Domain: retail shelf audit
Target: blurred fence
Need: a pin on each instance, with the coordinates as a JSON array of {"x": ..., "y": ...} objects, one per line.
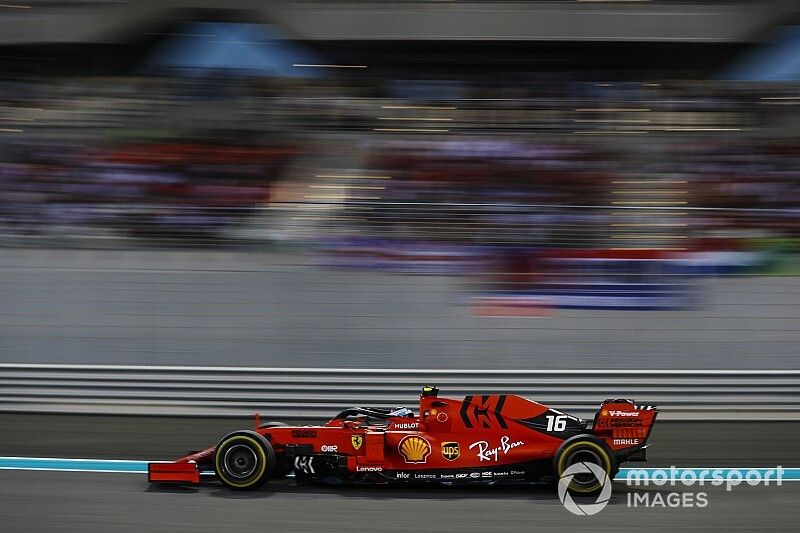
[
  {"x": 393, "y": 223},
  {"x": 317, "y": 394},
  {"x": 212, "y": 308}
]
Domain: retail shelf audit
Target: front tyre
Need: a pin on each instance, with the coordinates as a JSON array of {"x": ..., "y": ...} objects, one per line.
[
  {"x": 584, "y": 449},
  {"x": 282, "y": 468},
  {"x": 244, "y": 460}
]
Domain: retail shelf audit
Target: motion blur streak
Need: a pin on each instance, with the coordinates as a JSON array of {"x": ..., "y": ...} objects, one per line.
[{"x": 282, "y": 308}]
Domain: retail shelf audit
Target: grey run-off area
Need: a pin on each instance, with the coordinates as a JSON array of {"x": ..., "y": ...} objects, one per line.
[{"x": 277, "y": 309}]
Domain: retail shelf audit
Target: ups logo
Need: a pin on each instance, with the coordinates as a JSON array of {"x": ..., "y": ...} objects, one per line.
[{"x": 451, "y": 451}]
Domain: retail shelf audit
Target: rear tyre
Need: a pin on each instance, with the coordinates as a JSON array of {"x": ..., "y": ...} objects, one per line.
[
  {"x": 244, "y": 460},
  {"x": 585, "y": 449}
]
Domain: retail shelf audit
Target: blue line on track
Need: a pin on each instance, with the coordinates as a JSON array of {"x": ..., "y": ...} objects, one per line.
[
  {"x": 72, "y": 465},
  {"x": 53, "y": 464}
]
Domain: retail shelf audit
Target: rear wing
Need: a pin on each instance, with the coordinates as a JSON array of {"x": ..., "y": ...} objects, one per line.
[{"x": 625, "y": 427}]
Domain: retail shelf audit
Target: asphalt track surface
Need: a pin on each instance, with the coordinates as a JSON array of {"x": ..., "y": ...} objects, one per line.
[
  {"x": 67, "y": 501},
  {"x": 73, "y": 501}
]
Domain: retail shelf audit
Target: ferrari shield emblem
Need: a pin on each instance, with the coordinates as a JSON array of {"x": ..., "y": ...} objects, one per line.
[
  {"x": 357, "y": 440},
  {"x": 450, "y": 451}
]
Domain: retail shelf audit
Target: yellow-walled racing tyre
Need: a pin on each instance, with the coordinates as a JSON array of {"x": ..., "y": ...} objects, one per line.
[
  {"x": 282, "y": 468},
  {"x": 244, "y": 460},
  {"x": 584, "y": 449}
]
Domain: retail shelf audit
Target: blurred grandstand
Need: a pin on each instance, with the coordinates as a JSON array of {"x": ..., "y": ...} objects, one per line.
[
  {"x": 552, "y": 171},
  {"x": 506, "y": 179}
]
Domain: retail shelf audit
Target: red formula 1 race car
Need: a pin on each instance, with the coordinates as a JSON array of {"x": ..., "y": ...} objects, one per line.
[{"x": 484, "y": 439}]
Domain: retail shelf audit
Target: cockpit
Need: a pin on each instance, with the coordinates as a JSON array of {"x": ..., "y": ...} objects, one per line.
[{"x": 378, "y": 414}]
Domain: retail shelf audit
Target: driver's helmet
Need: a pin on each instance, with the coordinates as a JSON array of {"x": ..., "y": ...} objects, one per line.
[{"x": 403, "y": 412}]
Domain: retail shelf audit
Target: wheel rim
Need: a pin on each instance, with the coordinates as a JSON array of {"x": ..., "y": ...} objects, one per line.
[
  {"x": 240, "y": 461},
  {"x": 585, "y": 456}
]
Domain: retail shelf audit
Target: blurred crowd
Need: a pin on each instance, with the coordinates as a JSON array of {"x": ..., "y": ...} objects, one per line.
[{"x": 357, "y": 164}]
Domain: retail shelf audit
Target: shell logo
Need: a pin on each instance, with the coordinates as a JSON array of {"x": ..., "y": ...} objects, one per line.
[{"x": 414, "y": 449}]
